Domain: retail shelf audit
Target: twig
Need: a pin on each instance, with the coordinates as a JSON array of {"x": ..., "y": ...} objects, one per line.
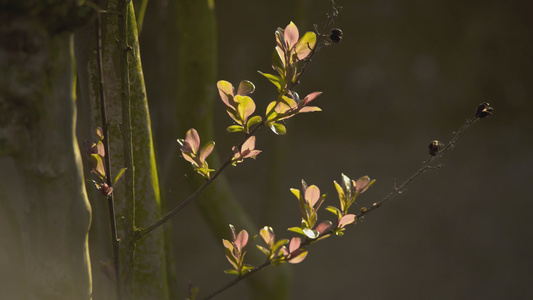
[
  {"x": 426, "y": 166},
  {"x": 236, "y": 280}
]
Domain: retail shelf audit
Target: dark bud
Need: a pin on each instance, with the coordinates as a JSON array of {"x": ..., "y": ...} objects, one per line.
[
  {"x": 336, "y": 35},
  {"x": 434, "y": 147},
  {"x": 106, "y": 189},
  {"x": 484, "y": 110}
]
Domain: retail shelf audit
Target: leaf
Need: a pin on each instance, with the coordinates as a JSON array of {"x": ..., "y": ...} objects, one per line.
[
  {"x": 206, "y": 150},
  {"x": 312, "y": 194},
  {"x": 231, "y": 272},
  {"x": 263, "y": 249},
  {"x": 278, "y": 128},
  {"x": 193, "y": 140},
  {"x": 245, "y": 107},
  {"x": 253, "y": 121},
  {"x": 270, "y": 112},
  {"x": 291, "y": 35},
  {"x": 299, "y": 256},
  {"x": 100, "y": 133},
  {"x": 245, "y": 88},
  {"x": 225, "y": 90},
  {"x": 278, "y": 61},
  {"x": 324, "y": 226},
  {"x": 241, "y": 240},
  {"x": 235, "y": 128},
  {"x": 362, "y": 184},
  {"x": 305, "y": 44},
  {"x": 296, "y": 192},
  {"x": 267, "y": 233},
  {"x": 307, "y": 109},
  {"x": 347, "y": 219},
  {"x": 276, "y": 80},
  {"x": 120, "y": 173},
  {"x": 310, "y": 98},
  {"x": 279, "y": 244},
  {"x": 334, "y": 210},
  {"x": 297, "y": 230},
  {"x": 98, "y": 166},
  {"x": 310, "y": 233}
]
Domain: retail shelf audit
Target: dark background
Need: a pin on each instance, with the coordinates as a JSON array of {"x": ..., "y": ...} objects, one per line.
[{"x": 406, "y": 72}]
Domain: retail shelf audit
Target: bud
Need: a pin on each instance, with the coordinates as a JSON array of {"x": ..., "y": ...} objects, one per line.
[
  {"x": 483, "y": 110},
  {"x": 336, "y": 35},
  {"x": 434, "y": 147}
]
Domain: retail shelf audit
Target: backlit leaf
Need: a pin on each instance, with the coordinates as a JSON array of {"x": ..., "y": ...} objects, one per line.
[
  {"x": 278, "y": 129},
  {"x": 305, "y": 45},
  {"x": 245, "y": 88}
]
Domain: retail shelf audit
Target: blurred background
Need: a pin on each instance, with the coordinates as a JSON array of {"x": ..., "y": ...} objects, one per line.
[{"x": 406, "y": 72}]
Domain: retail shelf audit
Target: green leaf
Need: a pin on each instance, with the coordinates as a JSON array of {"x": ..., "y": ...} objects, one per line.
[
  {"x": 232, "y": 272},
  {"x": 296, "y": 192},
  {"x": 334, "y": 210},
  {"x": 305, "y": 44},
  {"x": 297, "y": 230},
  {"x": 278, "y": 128},
  {"x": 278, "y": 62},
  {"x": 98, "y": 166},
  {"x": 235, "y": 128},
  {"x": 279, "y": 244},
  {"x": 253, "y": 121},
  {"x": 120, "y": 173},
  {"x": 276, "y": 80},
  {"x": 206, "y": 150},
  {"x": 245, "y": 108},
  {"x": 298, "y": 258},
  {"x": 263, "y": 249},
  {"x": 270, "y": 112}
]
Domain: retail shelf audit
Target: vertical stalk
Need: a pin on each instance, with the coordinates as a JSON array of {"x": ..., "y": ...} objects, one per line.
[{"x": 110, "y": 200}]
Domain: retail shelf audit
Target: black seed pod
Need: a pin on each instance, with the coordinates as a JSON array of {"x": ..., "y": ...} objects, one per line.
[
  {"x": 336, "y": 35},
  {"x": 484, "y": 110},
  {"x": 434, "y": 147}
]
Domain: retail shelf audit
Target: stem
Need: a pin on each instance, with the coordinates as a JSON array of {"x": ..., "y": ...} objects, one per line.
[
  {"x": 115, "y": 241},
  {"x": 238, "y": 279},
  {"x": 426, "y": 166}
]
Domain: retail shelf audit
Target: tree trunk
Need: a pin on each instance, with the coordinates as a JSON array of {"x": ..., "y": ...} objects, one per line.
[
  {"x": 44, "y": 211},
  {"x": 137, "y": 200}
]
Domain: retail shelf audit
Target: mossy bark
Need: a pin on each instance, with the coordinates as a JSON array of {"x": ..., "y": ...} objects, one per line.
[
  {"x": 137, "y": 199},
  {"x": 44, "y": 210}
]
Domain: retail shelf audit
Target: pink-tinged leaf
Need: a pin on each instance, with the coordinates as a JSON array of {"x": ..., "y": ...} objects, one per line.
[
  {"x": 284, "y": 251},
  {"x": 324, "y": 226},
  {"x": 98, "y": 148},
  {"x": 98, "y": 166},
  {"x": 226, "y": 92},
  {"x": 310, "y": 98},
  {"x": 298, "y": 256},
  {"x": 362, "y": 184},
  {"x": 193, "y": 140},
  {"x": 295, "y": 244},
  {"x": 346, "y": 220},
  {"x": 307, "y": 109},
  {"x": 267, "y": 233},
  {"x": 249, "y": 144},
  {"x": 312, "y": 194},
  {"x": 206, "y": 150},
  {"x": 245, "y": 88},
  {"x": 291, "y": 35},
  {"x": 241, "y": 240},
  {"x": 190, "y": 159}
]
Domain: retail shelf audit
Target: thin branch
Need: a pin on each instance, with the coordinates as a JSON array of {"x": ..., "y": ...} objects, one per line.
[
  {"x": 236, "y": 280},
  {"x": 426, "y": 166}
]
